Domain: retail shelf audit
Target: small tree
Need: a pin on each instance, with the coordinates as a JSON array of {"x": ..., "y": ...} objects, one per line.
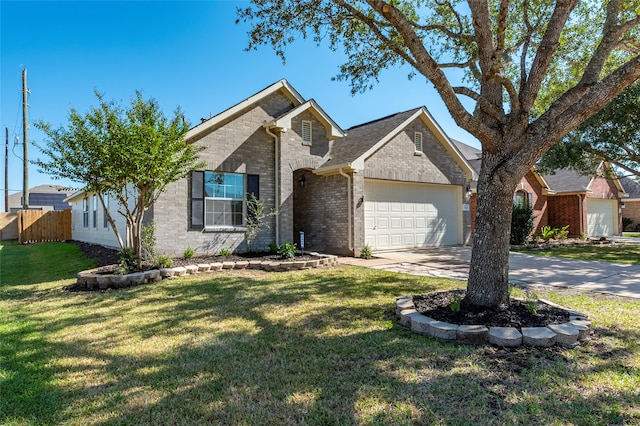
[
  {"x": 128, "y": 154},
  {"x": 256, "y": 216},
  {"x": 521, "y": 223}
]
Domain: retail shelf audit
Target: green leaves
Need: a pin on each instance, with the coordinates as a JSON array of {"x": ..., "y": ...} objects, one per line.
[{"x": 129, "y": 153}]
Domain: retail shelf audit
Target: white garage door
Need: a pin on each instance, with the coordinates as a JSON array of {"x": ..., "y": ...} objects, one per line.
[
  {"x": 406, "y": 215},
  {"x": 601, "y": 217}
]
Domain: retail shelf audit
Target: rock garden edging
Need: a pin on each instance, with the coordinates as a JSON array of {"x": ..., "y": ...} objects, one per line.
[
  {"x": 566, "y": 334},
  {"x": 93, "y": 280}
]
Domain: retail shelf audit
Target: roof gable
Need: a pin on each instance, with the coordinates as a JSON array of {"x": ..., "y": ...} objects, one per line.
[
  {"x": 282, "y": 85},
  {"x": 284, "y": 121},
  {"x": 364, "y": 140}
]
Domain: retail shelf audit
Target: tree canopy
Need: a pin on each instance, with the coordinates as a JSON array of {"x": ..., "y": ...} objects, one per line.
[
  {"x": 534, "y": 69},
  {"x": 129, "y": 154},
  {"x": 612, "y": 135}
]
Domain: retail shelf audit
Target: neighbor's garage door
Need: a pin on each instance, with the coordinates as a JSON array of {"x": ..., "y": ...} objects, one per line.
[
  {"x": 601, "y": 217},
  {"x": 406, "y": 215}
]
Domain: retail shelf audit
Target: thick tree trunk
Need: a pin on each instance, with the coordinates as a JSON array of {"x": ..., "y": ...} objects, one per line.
[{"x": 488, "y": 284}]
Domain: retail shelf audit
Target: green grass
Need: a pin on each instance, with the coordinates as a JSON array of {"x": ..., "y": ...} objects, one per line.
[
  {"x": 631, "y": 234},
  {"x": 311, "y": 347},
  {"x": 618, "y": 253}
]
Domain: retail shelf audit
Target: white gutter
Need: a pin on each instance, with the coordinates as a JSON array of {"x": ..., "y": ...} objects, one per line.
[
  {"x": 349, "y": 212},
  {"x": 276, "y": 143}
]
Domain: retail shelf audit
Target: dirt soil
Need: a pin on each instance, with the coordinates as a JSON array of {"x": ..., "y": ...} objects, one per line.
[{"x": 438, "y": 306}]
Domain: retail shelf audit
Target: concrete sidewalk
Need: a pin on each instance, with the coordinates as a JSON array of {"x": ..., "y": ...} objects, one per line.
[{"x": 453, "y": 262}]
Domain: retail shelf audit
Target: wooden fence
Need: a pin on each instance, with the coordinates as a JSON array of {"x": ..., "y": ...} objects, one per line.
[{"x": 36, "y": 226}]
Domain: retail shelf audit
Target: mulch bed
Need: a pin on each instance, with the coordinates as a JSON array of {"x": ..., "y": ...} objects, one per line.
[
  {"x": 107, "y": 259},
  {"x": 437, "y": 306}
]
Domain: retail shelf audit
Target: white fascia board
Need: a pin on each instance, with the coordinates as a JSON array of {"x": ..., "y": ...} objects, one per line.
[
  {"x": 204, "y": 127},
  {"x": 77, "y": 194}
]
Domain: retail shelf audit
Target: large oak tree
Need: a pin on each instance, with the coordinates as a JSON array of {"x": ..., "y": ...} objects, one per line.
[
  {"x": 535, "y": 69},
  {"x": 129, "y": 154}
]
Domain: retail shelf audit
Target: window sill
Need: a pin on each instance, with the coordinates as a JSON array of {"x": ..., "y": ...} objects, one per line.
[
  {"x": 418, "y": 153},
  {"x": 225, "y": 229}
]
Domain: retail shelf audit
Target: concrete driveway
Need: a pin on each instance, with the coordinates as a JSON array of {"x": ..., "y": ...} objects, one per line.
[{"x": 453, "y": 262}]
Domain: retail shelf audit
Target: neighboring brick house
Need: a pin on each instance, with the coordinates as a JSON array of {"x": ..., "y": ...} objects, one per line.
[
  {"x": 631, "y": 204},
  {"x": 591, "y": 206},
  {"x": 396, "y": 182}
]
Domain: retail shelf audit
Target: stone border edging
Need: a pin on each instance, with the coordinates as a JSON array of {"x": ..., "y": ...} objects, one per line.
[
  {"x": 92, "y": 280},
  {"x": 567, "y": 334}
]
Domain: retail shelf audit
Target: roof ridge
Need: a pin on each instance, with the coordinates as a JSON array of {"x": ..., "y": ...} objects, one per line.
[{"x": 383, "y": 118}]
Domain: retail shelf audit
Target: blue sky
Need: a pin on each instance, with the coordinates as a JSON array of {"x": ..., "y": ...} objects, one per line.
[{"x": 187, "y": 54}]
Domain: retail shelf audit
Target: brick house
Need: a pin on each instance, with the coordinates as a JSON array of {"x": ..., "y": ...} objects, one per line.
[
  {"x": 590, "y": 205},
  {"x": 631, "y": 204},
  {"x": 396, "y": 182}
]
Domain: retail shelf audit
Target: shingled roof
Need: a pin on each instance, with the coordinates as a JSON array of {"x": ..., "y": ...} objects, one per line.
[
  {"x": 631, "y": 187},
  {"x": 567, "y": 180},
  {"x": 363, "y": 137}
]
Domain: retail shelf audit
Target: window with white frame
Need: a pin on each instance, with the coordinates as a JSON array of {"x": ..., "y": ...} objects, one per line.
[
  {"x": 223, "y": 199},
  {"x": 307, "y": 132},
  {"x": 417, "y": 141},
  {"x": 218, "y": 199},
  {"x": 94, "y": 210},
  {"x": 105, "y": 222},
  {"x": 85, "y": 212},
  {"x": 522, "y": 198}
]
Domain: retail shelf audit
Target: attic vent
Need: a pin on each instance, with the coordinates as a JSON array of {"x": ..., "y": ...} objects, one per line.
[
  {"x": 306, "y": 132},
  {"x": 417, "y": 141}
]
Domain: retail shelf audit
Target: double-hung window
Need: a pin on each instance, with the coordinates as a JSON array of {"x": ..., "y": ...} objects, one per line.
[
  {"x": 105, "y": 222},
  {"x": 94, "y": 204},
  {"x": 223, "y": 199},
  {"x": 218, "y": 200},
  {"x": 85, "y": 212}
]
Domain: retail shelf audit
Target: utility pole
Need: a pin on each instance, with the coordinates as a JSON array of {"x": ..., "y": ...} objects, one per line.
[
  {"x": 25, "y": 141},
  {"x": 6, "y": 172}
]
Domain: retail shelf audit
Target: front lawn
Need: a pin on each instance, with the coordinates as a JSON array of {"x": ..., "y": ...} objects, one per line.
[
  {"x": 311, "y": 347},
  {"x": 614, "y": 253}
]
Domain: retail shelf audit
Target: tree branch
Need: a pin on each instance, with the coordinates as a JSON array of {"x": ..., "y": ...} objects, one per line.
[
  {"x": 428, "y": 67},
  {"x": 544, "y": 54}
]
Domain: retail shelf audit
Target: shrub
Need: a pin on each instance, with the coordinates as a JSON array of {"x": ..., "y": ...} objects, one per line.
[
  {"x": 521, "y": 224},
  {"x": 287, "y": 250},
  {"x": 128, "y": 260},
  {"x": 547, "y": 233},
  {"x": 256, "y": 219},
  {"x": 148, "y": 241},
  {"x": 365, "y": 252},
  {"x": 273, "y": 248},
  {"x": 562, "y": 233},
  {"x": 626, "y": 222},
  {"x": 164, "y": 261},
  {"x": 225, "y": 252},
  {"x": 188, "y": 253}
]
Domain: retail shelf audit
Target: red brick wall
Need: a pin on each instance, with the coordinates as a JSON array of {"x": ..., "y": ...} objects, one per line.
[
  {"x": 568, "y": 210},
  {"x": 632, "y": 211}
]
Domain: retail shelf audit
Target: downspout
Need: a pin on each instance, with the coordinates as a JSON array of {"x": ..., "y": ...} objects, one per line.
[
  {"x": 276, "y": 143},
  {"x": 582, "y": 230},
  {"x": 349, "y": 211}
]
